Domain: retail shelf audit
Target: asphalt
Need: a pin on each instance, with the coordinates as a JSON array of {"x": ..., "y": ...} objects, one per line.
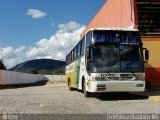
[
  {"x": 152, "y": 94},
  {"x": 57, "y": 99}
]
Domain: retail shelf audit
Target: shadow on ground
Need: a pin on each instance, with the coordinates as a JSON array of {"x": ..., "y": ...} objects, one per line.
[
  {"x": 41, "y": 83},
  {"x": 116, "y": 96}
]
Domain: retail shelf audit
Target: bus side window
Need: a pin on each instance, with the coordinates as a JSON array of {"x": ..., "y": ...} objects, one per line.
[
  {"x": 75, "y": 52},
  {"x": 78, "y": 49},
  {"x": 88, "y": 38},
  {"x": 82, "y": 46},
  {"x": 72, "y": 55},
  {"x": 67, "y": 59}
]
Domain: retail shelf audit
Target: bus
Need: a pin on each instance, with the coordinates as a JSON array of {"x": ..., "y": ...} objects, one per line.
[{"x": 107, "y": 61}]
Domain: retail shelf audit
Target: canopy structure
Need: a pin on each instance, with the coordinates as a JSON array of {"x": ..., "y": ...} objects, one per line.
[
  {"x": 115, "y": 14},
  {"x": 128, "y": 14}
]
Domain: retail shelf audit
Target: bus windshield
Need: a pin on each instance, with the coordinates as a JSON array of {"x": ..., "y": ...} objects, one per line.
[
  {"x": 116, "y": 58},
  {"x": 116, "y": 36}
]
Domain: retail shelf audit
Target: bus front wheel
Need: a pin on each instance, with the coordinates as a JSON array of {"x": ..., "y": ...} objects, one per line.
[{"x": 86, "y": 93}]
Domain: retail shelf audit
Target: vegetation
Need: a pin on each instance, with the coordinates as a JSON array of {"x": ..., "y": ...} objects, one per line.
[
  {"x": 41, "y": 66},
  {"x": 34, "y": 72},
  {"x": 2, "y": 66},
  {"x": 59, "y": 73}
]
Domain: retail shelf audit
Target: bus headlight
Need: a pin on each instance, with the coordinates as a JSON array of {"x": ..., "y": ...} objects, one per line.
[{"x": 139, "y": 76}]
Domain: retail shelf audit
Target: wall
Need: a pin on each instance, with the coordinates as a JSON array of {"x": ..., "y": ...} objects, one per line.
[
  {"x": 152, "y": 67},
  {"x": 11, "y": 78},
  {"x": 55, "y": 77}
]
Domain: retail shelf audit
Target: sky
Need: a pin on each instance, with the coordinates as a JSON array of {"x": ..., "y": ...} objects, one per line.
[{"x": 36, "y": 29}]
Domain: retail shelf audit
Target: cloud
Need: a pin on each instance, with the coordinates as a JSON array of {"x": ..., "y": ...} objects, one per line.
[
  {"x": 36, "y": 13},
  {"x": 55, "y": 47},
  {"x": 11, "y": 56},
  {"x": 70, "y": 26},
  {"x": 59, "y": 44}
]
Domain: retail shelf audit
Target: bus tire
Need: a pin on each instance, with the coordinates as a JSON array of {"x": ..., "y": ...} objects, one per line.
[
  {"x": 85, "y": 92},
  {"x": 69, "y": 85}
]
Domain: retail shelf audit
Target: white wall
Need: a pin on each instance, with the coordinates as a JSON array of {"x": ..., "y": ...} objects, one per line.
[
  {"x": 55, "y": 77},
  {"x": 11, "y": 78}
]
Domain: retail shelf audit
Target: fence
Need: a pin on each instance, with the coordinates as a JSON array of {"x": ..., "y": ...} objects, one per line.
[
  {"x": 11, "y": 78},
  {"x": 55, "y": 77}
]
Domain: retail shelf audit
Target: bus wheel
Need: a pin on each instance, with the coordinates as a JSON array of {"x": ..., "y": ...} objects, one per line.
[
  {"x": 69, "y": 86},
  {"x": 86, "y": 93}
]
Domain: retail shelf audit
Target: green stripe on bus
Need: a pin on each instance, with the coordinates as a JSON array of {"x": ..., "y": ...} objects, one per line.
[{"x": 77, "y": 72}]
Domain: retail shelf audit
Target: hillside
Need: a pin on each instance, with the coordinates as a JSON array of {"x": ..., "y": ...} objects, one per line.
[{"x": 42, "y": 66}]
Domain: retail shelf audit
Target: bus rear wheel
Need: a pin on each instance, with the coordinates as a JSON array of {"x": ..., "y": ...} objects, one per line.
[
  {"x": 69, "y": 86},
  {"x": 86, "y": 93}
]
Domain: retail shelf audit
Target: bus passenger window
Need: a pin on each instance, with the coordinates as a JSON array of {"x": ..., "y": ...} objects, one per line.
[
  {"x": 88, "y": 38},
  {"x": 69, "y": 57},
  {"x": 82, "y": 46},
  {"x": 72, "y": 55},
  {"x": 78, "y": 50},
  {"x": 75, "y": 53}
]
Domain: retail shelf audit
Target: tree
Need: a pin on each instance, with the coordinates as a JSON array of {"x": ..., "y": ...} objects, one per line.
[
  {"x": 59, "y": 73},
  {"x": 34, "y": 72},
  {"x": 2, "y": 66}
]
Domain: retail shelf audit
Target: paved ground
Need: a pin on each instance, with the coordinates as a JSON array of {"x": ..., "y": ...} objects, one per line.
[
  {"x": 152, "y": 95},
  {"x": 56, "y": 99}
]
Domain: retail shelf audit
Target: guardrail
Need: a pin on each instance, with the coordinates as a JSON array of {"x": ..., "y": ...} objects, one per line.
[{"x": 12, "y": 78}]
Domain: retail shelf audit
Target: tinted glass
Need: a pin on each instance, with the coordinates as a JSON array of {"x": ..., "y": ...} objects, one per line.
[{"x": 116, "y": 36}]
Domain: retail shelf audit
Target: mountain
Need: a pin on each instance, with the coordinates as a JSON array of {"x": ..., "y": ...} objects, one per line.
[{"x": 41, "y": 66}]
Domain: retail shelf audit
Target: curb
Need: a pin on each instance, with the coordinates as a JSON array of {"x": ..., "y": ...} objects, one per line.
[
  {"x": 151, "y": 95},
  {"x": 154, "y": 98}
]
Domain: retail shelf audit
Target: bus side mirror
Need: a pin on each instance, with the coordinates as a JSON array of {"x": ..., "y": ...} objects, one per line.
[{"x": 146, "y": 54}]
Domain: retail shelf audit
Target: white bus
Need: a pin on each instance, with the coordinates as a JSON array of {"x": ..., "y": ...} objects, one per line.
[{"x": 107, "y": 61}]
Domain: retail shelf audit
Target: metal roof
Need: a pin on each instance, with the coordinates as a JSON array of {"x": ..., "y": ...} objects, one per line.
[{"x": 114, "y": 14}]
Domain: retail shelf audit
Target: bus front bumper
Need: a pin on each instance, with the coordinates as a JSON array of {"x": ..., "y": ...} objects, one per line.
[{"x": 116, "y": 86}]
